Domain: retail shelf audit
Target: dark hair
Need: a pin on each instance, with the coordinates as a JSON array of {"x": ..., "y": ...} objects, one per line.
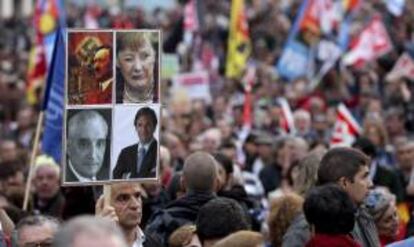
[
  {"x": 341, "y": 162},
  {"x": 366, "y": 146},
  {"x": 330, "y": 210},
  {"x": 225, "y": 162},
  {"x": 146, "y": 111},
  {"x": 228, "y": 144},
  {"x": 220, "y": 217},
  {"x": 10, "y": 168}
]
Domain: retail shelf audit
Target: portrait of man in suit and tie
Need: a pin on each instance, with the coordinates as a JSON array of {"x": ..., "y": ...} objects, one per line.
[
  {"x": 87, "y": 145},
  {"x": 140, "y": 159}
]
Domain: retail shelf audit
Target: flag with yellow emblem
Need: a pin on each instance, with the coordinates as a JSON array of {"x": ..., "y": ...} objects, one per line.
[
  {"x": 47, "y": 17},
  {"x": 239, "y": 41}
]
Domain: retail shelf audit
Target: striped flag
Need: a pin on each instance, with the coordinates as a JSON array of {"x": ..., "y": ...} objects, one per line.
[
  {"x": 286, "y": 121},
  {"x": 370, "y": 44},
  {"x": 403, "y": 67},
  {"x": 239, "y": 46},
  {"x": 317, "y": 21},
  {"x": 346, "y": 128},
  {"x": 47, "y": 16},
  {"x": 37, "y": 60}
]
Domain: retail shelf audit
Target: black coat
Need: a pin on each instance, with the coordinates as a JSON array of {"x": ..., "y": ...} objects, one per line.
[
  {"x": 103, "y": 173},
  {"x": 178, "y": 213},
  {"x": 126, "y": 166}
]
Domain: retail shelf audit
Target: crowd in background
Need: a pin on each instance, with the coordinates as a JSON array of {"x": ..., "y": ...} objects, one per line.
[{"x": 267, "y": 170}]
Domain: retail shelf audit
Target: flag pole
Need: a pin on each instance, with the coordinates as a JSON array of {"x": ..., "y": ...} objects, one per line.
[
  {"x": 107, "y": 194},
  {"x": 32, "y": 160},
  {"x": 46, "y": 91}
]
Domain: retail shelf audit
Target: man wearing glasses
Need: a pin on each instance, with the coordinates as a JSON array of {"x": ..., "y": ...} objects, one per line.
[{"x": 36, "y": 231}]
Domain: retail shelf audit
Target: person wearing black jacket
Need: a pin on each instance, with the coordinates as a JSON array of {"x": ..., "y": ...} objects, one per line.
[{"x": 199, "y": 179}]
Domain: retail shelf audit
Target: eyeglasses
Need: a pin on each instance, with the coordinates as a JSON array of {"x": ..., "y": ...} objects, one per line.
[{"x": 39, "y": 244}]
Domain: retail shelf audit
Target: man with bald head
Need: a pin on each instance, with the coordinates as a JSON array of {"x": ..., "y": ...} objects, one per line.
[
  {"x": 87, "y": 141},
  {"x": 199, "y": 181}
]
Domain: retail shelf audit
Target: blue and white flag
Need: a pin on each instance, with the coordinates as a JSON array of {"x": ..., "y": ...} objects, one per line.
[{"x": 53, "y": 104}]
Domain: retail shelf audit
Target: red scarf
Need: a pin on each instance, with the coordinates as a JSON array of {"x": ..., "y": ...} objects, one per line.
[{"x": 339, "y": 240}]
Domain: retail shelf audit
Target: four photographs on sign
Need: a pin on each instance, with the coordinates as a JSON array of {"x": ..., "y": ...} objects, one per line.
[{"x": 112, "y": 108}]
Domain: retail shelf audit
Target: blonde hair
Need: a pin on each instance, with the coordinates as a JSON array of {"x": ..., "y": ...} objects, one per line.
[
  {"x": 182, "y": 236},
  {"x": 46, "y": 161},
  {"x": 283, "y": 210},
  {"x": 379, "y": 126},
  {"x": 133, "y": 40},
  {"x": 307, "y": 173},
  {"x": 241, "y": 239}
]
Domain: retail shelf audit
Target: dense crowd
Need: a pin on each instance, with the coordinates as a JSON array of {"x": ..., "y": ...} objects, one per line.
[{"x": 221, "y": 185}]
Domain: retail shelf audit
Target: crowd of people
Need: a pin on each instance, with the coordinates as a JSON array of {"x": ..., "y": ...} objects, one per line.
[{"x": 221, "y": 184}]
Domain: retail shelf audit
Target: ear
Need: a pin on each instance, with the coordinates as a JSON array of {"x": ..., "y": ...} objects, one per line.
[
  {"x": 312, "y": 230},
  {"x": 343, "y": 182},
  {"x": 230, "y": 180},
  {"x": 117, "y": 62},
  {"x": 183, "y": 184},
  {"x": 216, "y": 186}
]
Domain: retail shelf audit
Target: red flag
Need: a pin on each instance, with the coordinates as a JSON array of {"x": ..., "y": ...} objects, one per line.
[
  {"x": 37, "y": 60},
  {"x": 248, "y": 101},
  {"x": 346, "y": 128},
  {"x": 190, "y": 17},
  {"x": 403, "y": 67},
  {"x": 351, "y": 4},
  {"x": 373, "y": 42}
]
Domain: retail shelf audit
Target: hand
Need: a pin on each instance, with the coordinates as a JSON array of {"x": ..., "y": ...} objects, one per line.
[
  {"x": 410, "y": 189},
  {"x": 3, "y": 202},
  {"x": 405, "y": 92},
  {"x": 107, "y": 211}
]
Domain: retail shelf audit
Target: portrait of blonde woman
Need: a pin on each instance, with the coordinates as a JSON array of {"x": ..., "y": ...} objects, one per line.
[{"x": 137, "y": 67}]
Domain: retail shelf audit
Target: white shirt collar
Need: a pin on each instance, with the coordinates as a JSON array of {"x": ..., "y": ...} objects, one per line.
[
  {"x": 146, "y": 146},
  {"x": 140, "y": 238},
  {"x": 78, "y": 176},
  {"x": 373, "y": 169}
]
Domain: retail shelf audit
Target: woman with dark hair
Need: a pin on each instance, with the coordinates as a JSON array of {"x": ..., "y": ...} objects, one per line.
[{"x": 331, "y": 212}]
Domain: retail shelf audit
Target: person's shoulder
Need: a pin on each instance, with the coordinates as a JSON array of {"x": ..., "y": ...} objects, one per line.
[
  {"x": 151, "y": 240},
  {"x": 298, "y": 232},
  {"x": 154, "y": 144},
  {"x": 130, "y": 148}
]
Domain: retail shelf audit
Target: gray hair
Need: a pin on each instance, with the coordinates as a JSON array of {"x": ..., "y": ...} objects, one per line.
[
  {"x": 87, "y": 225},
  {"x": 37, "y": 220},
  {"x": 378, "y": 202},
  {"x": 83, "y": 117}
]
